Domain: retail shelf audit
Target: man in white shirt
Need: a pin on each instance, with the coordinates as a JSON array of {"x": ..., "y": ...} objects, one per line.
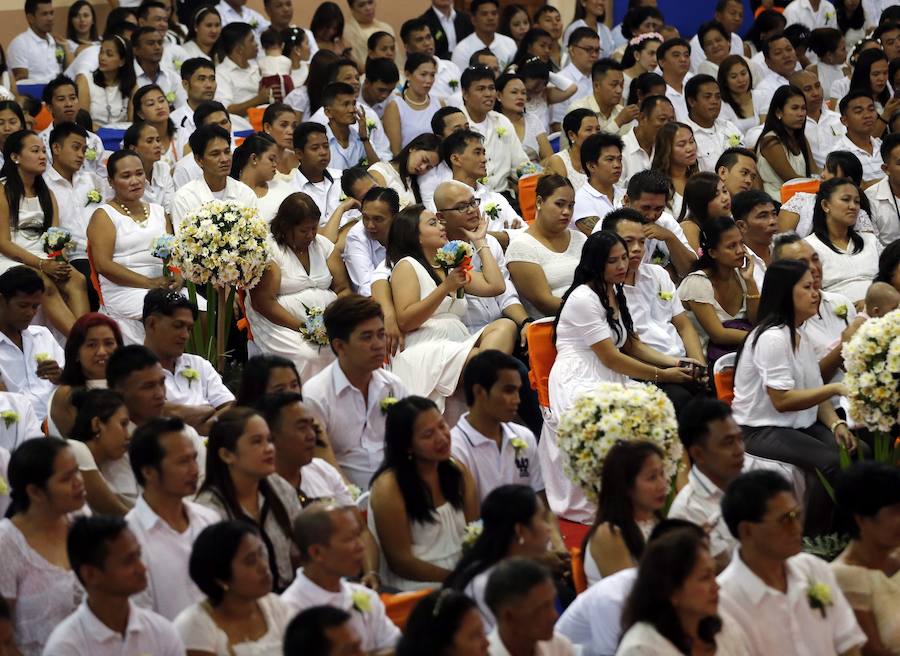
[
  {"x": 106, "y": 557},
  {"x": 883, "y": 197},
  {"x": 313, "y": 175},
  {"x": 30, "y": 357},
  {"x": 23, "y": 424},
  {"x": 584, "y": 51},
  {"x": 811, "y": 13},
  {"x": 823, "y": 126},
  {"x": 238, "y": 77},
  {"x": 781, "y": 62},
  {"x": 486, "y": 21},
  {"x": 365, "y": 246},
  {"x": 347, "y": 126},
  {"x": 674, "y": 60},
  {"x": 165, "y": 523},
  {"x": 638, "y": 143},
  {"x": 151, "y": 13},
  {"x": 209, "y": 112},
  {"x": 147, "y": 44},
  {"x": 755, "y": 215},
  {"x": 605, "y": 99},
  {"x": 194, "y": 389},
  {"x": 601, "y": 158},
  {"x": 730, "y": 13},
  {"x": 382, "y": 78},
  {"x": 237, "y": 11},
  {"x": 712, "y": 133},
  {"x": 417, "y": 37},
  {"x": 347, "y": 395},
  {"x": 445, "y": 122},
  {"x": 769, "y": 582},
  {"x": 61, "y": 98},
  {"x": 198, "y": 79},
  {"x": 330, "y": 628},
  {"x": 858, "y": 115},
  {"x": 521, "y": 595},
  {"x": 37, "y": 54},
  {"x": 211, "y": 146},
  {"x": 332, "y": 549},
  {"x": 736, "y": 167}
]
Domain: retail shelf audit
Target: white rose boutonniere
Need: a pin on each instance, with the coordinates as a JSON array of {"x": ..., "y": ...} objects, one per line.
[
  {"x": 190, "y": 375},
  {"x": 93, "y": 196},
  {"x": 819, "y": 596},
  {"x": 4, "y": 487},
  {"x": 492, "y": 210},
  {"x": 841, "y": 311},
  {"x": 665, "y": 296},
  {"x": 254, "y": 23},
  {"x": 60, "y": 54},
  {"x": 386, "y": 403},
  {"x": 371, "y": 125},
  {"x": 734, "y": 140},
  {"x": 518, "y": 444},
  {"x": 41, "y": 357},
  {"x": 829, "y": 16},
  {"x": 90, "y": 155},
  {"x": 354, "y": 491},
  {"x": 9, "y": 417},
  {"x": 438, "y": 35},
  {"x": 362, "y": 602},
  {"x": 170, "y": 97},
  {"x": 501, "y": 132}
]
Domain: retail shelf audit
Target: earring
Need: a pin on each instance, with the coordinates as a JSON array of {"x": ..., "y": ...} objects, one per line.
[{"x": 537, "y": 207}]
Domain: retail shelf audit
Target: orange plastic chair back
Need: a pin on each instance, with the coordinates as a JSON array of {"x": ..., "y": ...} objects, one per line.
[
  {"x": 761, "y": 9},
  {"x": 528, "y": 196},
  {"x": 789, "y": 189},
  {"x": 243, "y": 323},
  {"x": 95, "y": 279},
  {"x": 573, "y": 533},
  {"x": 541, "y": 354},
  {"x": 725, "y": 385},
  {"x": 255, "y": 116},
  {"x": 399, "y": 606},
  {"x": 43, "y": 119},
  {"x": 579, "y": 579}
]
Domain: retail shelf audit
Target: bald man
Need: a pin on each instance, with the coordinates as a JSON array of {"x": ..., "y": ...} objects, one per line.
[
  {"x": 881, "y": 299},
  {"x": 823, "y": 126}
]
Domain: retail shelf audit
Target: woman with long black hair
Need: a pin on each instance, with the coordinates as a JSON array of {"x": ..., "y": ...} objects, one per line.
[
  {"x": 784, "y": 152},
  {"x": 402, "y": 173},
  {"x": 104, "y": 93}
]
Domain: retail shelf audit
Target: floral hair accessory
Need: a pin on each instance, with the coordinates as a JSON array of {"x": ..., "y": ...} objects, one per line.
[{"x": 640, "y": 38}]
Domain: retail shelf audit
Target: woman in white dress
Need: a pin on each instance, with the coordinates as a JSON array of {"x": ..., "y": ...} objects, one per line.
[
  {"x": 203, "y": 32},
  {"x": 306, "y": 272},
  {"x": 428, "y": 308},
  {"x": 511, "y": 99},
  {"x": 542, "y": 259},
  {"x": 159, "y": 187},
  {"x": 578, "y": 125},
  {"x": 240, "y": 615},
  {"x": 402, "y": 173},
  {"x": 409, "y": 114},
  {"x": 421, "y": 498},
  {"x": 81, "y": 26},
  {"x": 595, "y": 342},
  {"x": 104, "y": 93},
  {"x": 120, "y": 233},
  {"x": 673, "y": 608},
  {"x": 27, "y": 210},
  {"x": 279, "y": 122},
  {"x": 736, "y": 84},
  {"x": 35, "y": 577},
  {"x": 151, "y": 105},
  {"x": 782, "y": 148},
  {"x": 255, "y": 163}
]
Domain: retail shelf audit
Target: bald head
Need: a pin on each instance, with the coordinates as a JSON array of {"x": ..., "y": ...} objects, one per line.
[
  {"x": 809, "y": 84},
  {"x": 454, "y": 201},
  {"x": 315, "y": 526},
  {"x": 881, "y": 298}
]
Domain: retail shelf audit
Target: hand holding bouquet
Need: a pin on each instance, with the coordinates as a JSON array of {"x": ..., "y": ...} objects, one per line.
[
  {"x": 456, "y": 254},
  {"x": 57, "y": 243}
]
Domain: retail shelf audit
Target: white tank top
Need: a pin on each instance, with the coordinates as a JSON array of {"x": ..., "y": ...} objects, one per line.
[{"x": 414, "y": 122}]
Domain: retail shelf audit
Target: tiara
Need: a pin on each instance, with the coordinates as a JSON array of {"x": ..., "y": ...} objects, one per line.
[{"x": 640, "y": 38}]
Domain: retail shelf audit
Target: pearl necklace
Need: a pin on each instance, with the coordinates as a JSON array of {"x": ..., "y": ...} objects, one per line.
[{"x": 127, "y": 212}]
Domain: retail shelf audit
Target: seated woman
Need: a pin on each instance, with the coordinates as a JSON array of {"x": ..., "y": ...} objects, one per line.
[
  {"x": 429, "y": 310},
  {"x": 445, "y": 623},
  {"x": 204, "y": 29},
  {"x": 514, "y": 524},
  {"x": 532, "y": 134},
  {"x": 120, "y": 232},
  {"x": 849, "y": 258},
  {"x": 675, "y": 155},
  {"x": 409, "y": 114},
  {"x": 736, "y": 84},
  {"x": 151, "y": 105},
  {"x": 673, "y": 607},
  {"x": 595, "y": 342},
  {"x": 705, "y": 198},
  {"x": 366, "y": 242},
  {"x": 421, "y": 498},
  {"x": 35, "y": 577},
  {"x": 402, "y": 173},
  {"x": 306, "y": 273},
  {"x": 797, "y": 212},
  {"x": 12, "y": 119},
  {"x": 241, "y": 484},
  {"x": 27, "y": 210},
  {"x": 868, "y": 570},
  {"x": 784, "y": 152},
  {"x": 104, "y": 93},
  {"x": 542, "y": 259},
  {"x": 306, "y": 99},
  {"x": 578, "y": 125},
  {"x": 99, "y": 440},
  {"x": 783, "y": 408},
  {"x": 279, "y": 122},
  {"x": 81, "y": 26},
  {"x": 93, "y": 339},
  {"x": 159, "y": 187},
  {"x": 237, "y": 77},
  {"x": 255, "y": 163},
  {"x": 639, "y": 57},
  {"x": 267, "y": 374},
  {"x": 716, "y": 43},
  {"x": 633, "y": 492},
  {"x": 240, "y": 614},
  {"x": 720, "y": 294}
]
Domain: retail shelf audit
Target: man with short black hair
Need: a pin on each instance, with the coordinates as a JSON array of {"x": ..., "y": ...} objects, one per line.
[
  {"x": 349, "y": 146},
  {"x": 381, "y": 80},
  {"x": 61, "y": 98},
  {"x": 858, "y": 114},
  {"x": 486, "y": 22},
  {"x": 165, "y": 522},
  {"x": 447, "y": 26},
  {"x": 730, "y": 14},
  {"x": 712, "y": 133},
  {"x": 736, "y": 167},
  {"x": 208, "y": 112},
  {"x": 147, "y": 44},
  {"x": 771, "y": 583},
  {"x": 418, "y": 37},
  {"x": 755, "y": 215},
  {"x": 781, "y": 62},
  {"x": 883, "y": 197},
  {"x": 639, "y": 142},
  {"x": 322, "y": 631},
  {"x": 584, "y": 51},
  {"x": 608, "y": 91},
  {"x": 37, "y": 54},
  {"x": 155, "y": 14},
  {"x": 674, "y": 59},
  {"x": 601, "y": 158},
  {"x": 106, "y": 557},
  {"x": 198, "y": 79}
]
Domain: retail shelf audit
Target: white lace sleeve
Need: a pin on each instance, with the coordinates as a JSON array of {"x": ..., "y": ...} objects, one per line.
[{"x": 794, "y": 204}]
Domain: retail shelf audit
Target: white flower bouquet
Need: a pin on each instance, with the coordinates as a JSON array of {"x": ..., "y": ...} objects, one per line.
[
  {"x": 872, "y": 361},
  {"x": 611, "y": 413},
  {"x": 313, "y": 327},
  {"x": 58, "y": 243}
]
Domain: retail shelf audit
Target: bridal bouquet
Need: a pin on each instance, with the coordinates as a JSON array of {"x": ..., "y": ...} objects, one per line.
[
  {"x": 453, "y": 254},
  {"x": 161, "y": 247},
  {"x": 872, "y": 360},
  {"x": 612, "y": 413},
  {"x": 57, "y": 243},
  {"x": 313, "y": 327}
]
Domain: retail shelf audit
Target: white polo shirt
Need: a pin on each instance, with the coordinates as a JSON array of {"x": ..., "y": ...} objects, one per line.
[
  {"x": 823, "y": 134},
  {"x": 94, "y": 156},
  {"x": 802, "y": 12},
  {"x": 884, "y": 213},
  {"x": 372, "y": 624},
  {"x": 787, "y": 617},
  {"x": 83, "y": 633},
  {"x": 36, "y": 54},
  {"x": 355, "y": 426},
  {"x": 594, "y": 620},
  {"x": 19, "y": 366},
  {"x": 377, "y": 136},
  {"x": 677, "y": 99},
  {"x": 361, "y": 256},
  {"x": 767, "y": 88},
  {"x": 73, "y": 204},
  {"x": 186, "y": 170},
  {"x": 166, "y": 554},
  {"x": 591, "y": 202},
  {"x": 712, "y": 142},
  {"x": 653, "y": 302},
  {"x": 482, "y": 310},
  {"x": 634, "y": 158},
  {"x": 446, "y": 80},
  {"x": 585, "y": 89},
  {"x": 235, "y": 84},
  {"x": 326, "y": 193},
  {"x": 502, "y": 46},
  {"x": 195, "y": 193},
  {"x": 871, "y": 163},
  {"x": 17, "y": 429},
  {"x": 492, "y": 467},
  {"x": 206, "y": 389}
]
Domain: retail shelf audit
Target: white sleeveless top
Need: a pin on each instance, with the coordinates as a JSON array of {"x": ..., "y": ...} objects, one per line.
[
  {"x": 107, "y": 103},
  {"x": 393, "y": 180},
  {"x": 577, "y": 178},
  {"x": 29, "y": 233},
  {"x": 414, "y": 122}
]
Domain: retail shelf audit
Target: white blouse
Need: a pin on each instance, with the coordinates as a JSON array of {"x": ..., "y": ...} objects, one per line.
[
  {"x": 558, "y": 268},
  {"x": 846, "y": 272},
  {"x": 199, "y": 632}
]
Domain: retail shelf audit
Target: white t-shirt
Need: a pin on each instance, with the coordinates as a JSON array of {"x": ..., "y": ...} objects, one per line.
[
  {"x": 593, "y": 620},
  {"x": 591, "y": 202},
  {"x": 653, "y": 302}
]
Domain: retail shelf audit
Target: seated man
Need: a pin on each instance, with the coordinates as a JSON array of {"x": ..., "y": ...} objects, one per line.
[
  {"x": 331, "y": 547},
  {"x": 639, "y": 141},
  {"x": 712, "y": 133},
  {"x": 106, "y": 558},
  {"x": 883, "y": 196},
  {"x": 61, "y": 98},
  {"x": 209, "y": 112},
  {"x": 859, "y": 116},
  {"x": 198, "y": 79},
  {"x": 608, "y": 89},
  {"x": 347, "y": 127},
  {"x": 147, "y": 46},
  {"x": 756, "y": 217},
  {"x": 194, "y": 389},
  {"x": 37, "y": 54},
  {"x": 736, "y": 167},
  {"x": 30, "y": 358},
  {"x": 322, "y": 631},
  {"x": 601, "y": 158},
  {"x": 365, "y": 247},
  {"x": 445, "y": 122}
]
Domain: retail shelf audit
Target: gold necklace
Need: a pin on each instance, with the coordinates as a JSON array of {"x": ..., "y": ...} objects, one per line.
[
  {"x": 127, "y": 212},
  {"x": 413, "y": 103}
]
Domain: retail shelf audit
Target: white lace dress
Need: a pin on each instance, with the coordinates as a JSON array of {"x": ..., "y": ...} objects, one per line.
[
  {"x": 435, "y": 353},
  {"x": 29, "y": 232},
  {"x": 44, "y": 594},
  {"x": 299, "y": 290},
  {"x": 199, "y": 632},
  {"x": 577, "y": 178},
  {"x": 802, "y": 204}
]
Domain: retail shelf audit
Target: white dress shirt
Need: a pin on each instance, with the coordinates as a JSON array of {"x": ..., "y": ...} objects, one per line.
[
  {"x": 823, "y": 134},
  {"x": 166, "y": 554},
  {"x": 19, "y": 366},
  {"x": 502, "y": 46},
  {"x": 634, "y": 158},
  {"x": 235, "y": 84},
  {"x": 377, "y": 136},
  {"x": 679, "y": 103},
  {"x": 767, "y": 88},
  {"x": 82, "y": 632},
  {"x": 73, "y": 205},
  {"x": 791, "y": 625},
  {"x": 36, "y": 54},
  {"x": 243, "y": 15},
  {"x": 167, "y": 80},
  {"x": 698, "y": 56},
  {"x": 585, "y": 89},
  {"x": 657, "y": 252},
  {"x": 446, "y": 80},
  {"x": 504, "y": 150},
  {"x": 362, "y": 255},
  {"x": 17, "y": 429},
  {"x": 558, "y": 645},
  {"x": 448, "y": 26},
  {"x": 871, "y": 164},
  {"x": 824, "y": 328},
  {"x": 591, "y": 202},
  {"x": 712, "y": 142},
  {"x": 653, "y": 302},
  {"x": 195, "y": 193},
  {"x": 885, "y": 213},
  {"x": 371, "y": 624},
  {"x": 186, "y": 170},
  {"x": 207, "y": 389},
  {"x": 492, "y": 467},
  {"x": 94, "y": 156},
  {"x": 354, "y": 425},
  {"x": 326, "y": 193},
  {"x": 593, "y": 620},
  {"x": 802, "y": 12}
]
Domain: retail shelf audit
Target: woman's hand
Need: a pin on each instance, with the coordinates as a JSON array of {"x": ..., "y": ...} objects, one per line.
[
  {"x": 396, "y": 340},
  {"x": 675, "y": 375},
  {"x": 845, "y": 438},
  {"x": 747, "y": 270},
  {"x": 456, "y": 278},
  {"x": 478, "y": 233},
  {"x": 56, "y": 270}
]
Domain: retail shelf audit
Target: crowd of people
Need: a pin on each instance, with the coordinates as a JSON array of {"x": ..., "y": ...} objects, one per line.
[{"x": 667, "y": 206}]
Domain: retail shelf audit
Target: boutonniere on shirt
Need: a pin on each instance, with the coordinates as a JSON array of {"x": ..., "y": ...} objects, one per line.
[
  {"x": 518, "y": 444},
  {"x": 501, "y": 132},
  {"x": 819, "y": 596},
  {"x": 438, "y": 35},
  {"x": 472, "y": 532},
  {"x": 734, "y": 140},
  {"x": 454, "y": 84},
  {"x": 658, "y": 257},
  {"x": 829, "y": 16},
  {"x": 170, "y": 97},
  {"x": 492, "y": 210},
  {"x": 363, "y": 161},
  {"x": 41, "y": 357},
  {"x": 386, "y": 403},
  {"x": 60, "y": 54},
  {"x": 190, "y": 375},
  {"x": 841, "y": 311},
  {"x": 90, "y": 154},
  {"x": 342, "y": 197},
  {"x": 664, "y": 295},
  {"x": 483, "y": 180},
  {"x": 9, "y": 417},
  {"x": 362, "y": 602},
  {"x": 254, "y": 23},
  {"x": 4, "y": 487},
  {"x": 354, "y": 491},
  {"x": 371, "y": 126},
  {"x": 93, "y": 196}
]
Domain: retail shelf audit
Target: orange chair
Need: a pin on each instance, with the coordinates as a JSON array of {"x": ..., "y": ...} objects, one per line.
[
  {"x": 541, "y": 354},
  {"x": 528, "y": 196},
  {"x": 723, "y": 376},
  {"x": 761, "y": 9},
  {"x": 579, "y": 579},
  {"x": 791, "y": 187},
  {"x": 243, "y": 323},
  {"x": 95, "y": 280},
  {"x": 573, "y": 533},
  {"x": 43, "y": 119},
  {"x": 255, "y": 116},
  {"x": 399, "y": 606}
]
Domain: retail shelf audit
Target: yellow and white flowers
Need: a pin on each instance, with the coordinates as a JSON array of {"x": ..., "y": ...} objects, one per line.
[
  {"x": 190, "y": 375},
  {"x": 611, "y": 413},
  {"x": 41, "y": 357},
  {"x": 224, "y": 244},
  {"x": 371, "y": 125},
  {"x": 9, "y": 417},
  {"x": 492, "y": 210},
  {"x": 361, "y": 601},
  {"x": 819, "y": 596},
  {"x": 472, "y": 533},
  {"x": 90, "y": 154},
  {"x": 501, "y": 132},
  {"x": 93, "y": 196},
  {"x": 841, "y": 311},
  {"x": 4, "y": 487},
  {"x": 665, "y": 296},
  {"x": 518, "y": 444},
  {"x": 386, "y": 403},
  {"x": 872, "y": 361}
]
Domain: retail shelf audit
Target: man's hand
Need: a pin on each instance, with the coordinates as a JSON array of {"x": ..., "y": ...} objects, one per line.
[
  {"x": 49, "y": 370},
  {"x": 655, "y": 231},
  {"x": 628, "y": 114},
  {"x": 362, "y": 124}
]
